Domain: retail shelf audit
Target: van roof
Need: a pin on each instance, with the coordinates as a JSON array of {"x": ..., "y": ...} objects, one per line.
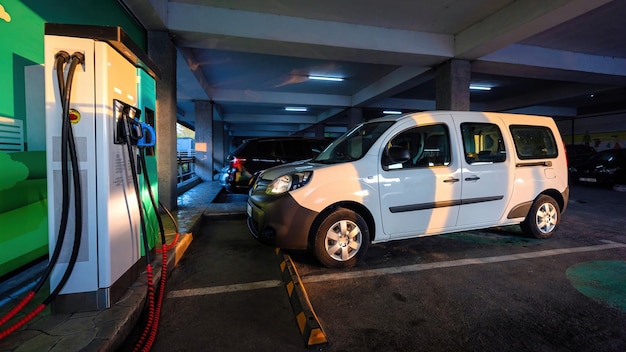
[{"x": 448, "y": 112}]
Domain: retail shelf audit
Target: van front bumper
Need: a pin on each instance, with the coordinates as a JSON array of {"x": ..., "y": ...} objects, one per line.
[{"x": 279, "y": 221}]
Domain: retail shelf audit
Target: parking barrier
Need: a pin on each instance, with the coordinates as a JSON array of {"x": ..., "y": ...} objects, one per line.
[{"x": 308, "y": 323}]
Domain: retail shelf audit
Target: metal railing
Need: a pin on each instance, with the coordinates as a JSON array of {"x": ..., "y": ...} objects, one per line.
[{"x": 186, "y": 161}]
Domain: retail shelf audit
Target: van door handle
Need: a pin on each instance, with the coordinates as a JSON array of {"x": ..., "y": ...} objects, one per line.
[
  {"x": 540, "y": 163},
  {"x": 473, "y": 178},
  {"x": 451, "y": 180}
]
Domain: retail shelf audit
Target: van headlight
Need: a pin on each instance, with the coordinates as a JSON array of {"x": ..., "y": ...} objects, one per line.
[{"x": 286, "y": 183}]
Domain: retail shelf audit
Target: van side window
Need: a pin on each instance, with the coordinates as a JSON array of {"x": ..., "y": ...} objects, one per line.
[
  {"x": 482, "y": 143},
  {"x": 427, "y": 146},
  {"x": 534, "y": 142}
]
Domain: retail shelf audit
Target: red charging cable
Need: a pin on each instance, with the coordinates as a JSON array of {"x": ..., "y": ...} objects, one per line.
[{"x": 154, "y": 310}]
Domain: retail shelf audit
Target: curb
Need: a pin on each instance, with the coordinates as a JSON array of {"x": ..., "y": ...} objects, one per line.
[{"x": 308, "y": 323}]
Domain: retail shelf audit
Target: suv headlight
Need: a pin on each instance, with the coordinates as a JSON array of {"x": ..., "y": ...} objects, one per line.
[{"x": 289, "y": 182}]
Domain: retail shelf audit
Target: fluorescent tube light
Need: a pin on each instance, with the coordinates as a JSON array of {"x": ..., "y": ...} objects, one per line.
[
  {"x": 392, "y": 112},
  {"x": 476, "y": 87},
  {"x": 326, "y": 78},
  {"x": 296, "y": 108}
]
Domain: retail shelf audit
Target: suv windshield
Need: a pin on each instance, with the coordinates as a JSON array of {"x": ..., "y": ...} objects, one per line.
[{"x": 354, "y": 144}]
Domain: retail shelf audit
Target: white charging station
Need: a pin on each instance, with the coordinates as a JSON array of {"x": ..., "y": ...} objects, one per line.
[{"x": 111, "y": 248}]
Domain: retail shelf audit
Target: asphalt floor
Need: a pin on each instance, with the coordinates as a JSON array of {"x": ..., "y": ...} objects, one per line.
[{"x": 226, "y": 294}]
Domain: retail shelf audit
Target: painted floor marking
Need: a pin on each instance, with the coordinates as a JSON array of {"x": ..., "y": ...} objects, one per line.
[
  {"x": 460, "y": 262},
  {"x": 223, "y": 289}
]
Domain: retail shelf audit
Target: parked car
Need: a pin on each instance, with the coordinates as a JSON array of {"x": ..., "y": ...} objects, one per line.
[
  {"x": 257, "y": 154},
  {"x": 415, "y": 175},
  {"x": 607, "y": 167},
  {"x": 578, "y": 153}
]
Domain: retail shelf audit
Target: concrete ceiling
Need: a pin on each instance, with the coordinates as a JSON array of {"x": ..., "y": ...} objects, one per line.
[{"x": 563, "y": 58}]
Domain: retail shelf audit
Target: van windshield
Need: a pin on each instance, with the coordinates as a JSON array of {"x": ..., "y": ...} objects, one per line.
[{"x": 354, "y": 144}]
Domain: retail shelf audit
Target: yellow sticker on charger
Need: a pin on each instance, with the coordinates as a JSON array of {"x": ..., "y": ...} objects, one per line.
[{"x": 74, "y": 116}]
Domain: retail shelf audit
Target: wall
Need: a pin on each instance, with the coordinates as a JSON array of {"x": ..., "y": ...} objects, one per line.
[{"x": 605, "y": 132}]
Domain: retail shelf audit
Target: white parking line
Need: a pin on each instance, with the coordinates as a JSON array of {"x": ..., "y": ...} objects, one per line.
[
  {"x": 460, "y": 262},
  {"x": 223, "y": 289}
]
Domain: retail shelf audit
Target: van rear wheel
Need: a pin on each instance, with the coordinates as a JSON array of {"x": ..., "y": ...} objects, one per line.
[
  {"x": 341, "y": 239},
  {"x": 543, "y": 218}
]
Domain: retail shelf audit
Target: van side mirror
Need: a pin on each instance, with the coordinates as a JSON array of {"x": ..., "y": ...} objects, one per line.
[{"x": 398, "y": 155}]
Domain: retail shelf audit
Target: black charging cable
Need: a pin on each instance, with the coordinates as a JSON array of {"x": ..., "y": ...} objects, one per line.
[{"x": 67, "y": 147}]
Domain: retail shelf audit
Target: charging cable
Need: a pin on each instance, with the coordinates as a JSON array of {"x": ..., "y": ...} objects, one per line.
[{"x": 67, "y": 147}]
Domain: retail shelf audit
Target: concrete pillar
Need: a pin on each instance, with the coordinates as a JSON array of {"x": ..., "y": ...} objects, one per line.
[
  {"x": 452, "y": 81},
  {"x": 204, "y": 139},
  {"x": 355, "y": 117},
  {"x": 162, "y": 51},
  {"x": 219, "y": 154},
  {"x": 227, "y": 143}
]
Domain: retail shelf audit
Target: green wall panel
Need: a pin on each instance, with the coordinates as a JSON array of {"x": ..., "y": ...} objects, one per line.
[
  {"x": 22, "y": 38},
  {"x": 21, "y": 46}
]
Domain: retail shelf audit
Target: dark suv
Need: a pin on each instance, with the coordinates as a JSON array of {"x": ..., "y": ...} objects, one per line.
[
  {"x": 606, "y": 167},
  {"x": 257, "y": 154},
  {"x": 578, "y": 153}
]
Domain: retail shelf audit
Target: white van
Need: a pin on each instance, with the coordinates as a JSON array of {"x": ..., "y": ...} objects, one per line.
[{"x": 414, "y": 175}]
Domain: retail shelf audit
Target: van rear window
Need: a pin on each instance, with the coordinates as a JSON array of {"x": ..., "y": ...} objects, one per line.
[{"x": 533, "y": 142}]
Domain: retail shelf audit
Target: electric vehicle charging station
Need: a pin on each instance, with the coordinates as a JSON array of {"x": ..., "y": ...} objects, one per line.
[{"x": 107, "y": 87}]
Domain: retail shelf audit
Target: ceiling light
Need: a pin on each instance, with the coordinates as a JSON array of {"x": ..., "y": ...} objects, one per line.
[
  {"x": 296, "y": 108},
  {"x": 392, "y": 112},
  {"x": 477, "y": 87},
  {"x": 326, "y": 78}
]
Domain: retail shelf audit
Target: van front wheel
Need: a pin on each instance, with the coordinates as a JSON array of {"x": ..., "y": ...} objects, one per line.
[
  {"x": 543, "y": 218},
  {"x": 341, "y": 239}
]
